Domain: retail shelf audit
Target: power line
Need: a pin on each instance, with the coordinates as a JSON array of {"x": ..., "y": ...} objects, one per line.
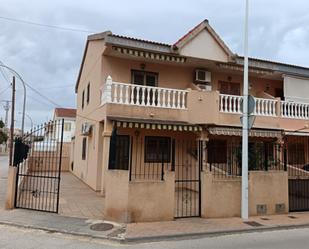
[
  {"x": 5, "y": 90},
  {"x": 45, "y": 25}
]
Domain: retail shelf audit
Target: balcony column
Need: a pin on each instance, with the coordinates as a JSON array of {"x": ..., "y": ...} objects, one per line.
[
  {"x": 107, "y": 90},
  {"x": 204, "y": 138}
]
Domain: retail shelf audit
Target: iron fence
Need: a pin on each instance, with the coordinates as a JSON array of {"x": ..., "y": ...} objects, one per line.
[
  {"x": 38, "y": 157},
  {"x": 225, "y": 157}
]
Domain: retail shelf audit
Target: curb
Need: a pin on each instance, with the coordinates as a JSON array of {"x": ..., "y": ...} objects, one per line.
[
  {"x": 51, "y": 230},
  {"x": 169, "y": 237},
  {"x": 211, "y": 233}
]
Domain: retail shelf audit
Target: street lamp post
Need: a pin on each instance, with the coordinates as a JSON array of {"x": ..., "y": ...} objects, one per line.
[
  {"x": 245, "y": 127},
  {"x": 31, "y": 121},
  {"x": 25, "y": 95}
]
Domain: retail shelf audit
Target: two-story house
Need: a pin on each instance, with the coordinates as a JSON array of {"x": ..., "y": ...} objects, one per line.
[{"x": 158, "y": 128}]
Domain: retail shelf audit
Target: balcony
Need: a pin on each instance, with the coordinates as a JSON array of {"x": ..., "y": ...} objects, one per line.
[
  {"x": 197, "y": 107},
  {"x": 146, "y": 96},
  {"x": 265, "y": 107}
]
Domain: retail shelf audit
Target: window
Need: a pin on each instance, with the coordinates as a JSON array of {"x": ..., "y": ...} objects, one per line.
[
  {"x": 88, "y": 93},
  {"x": 67, "y": 126},
  {"x": 144, "y": 78},
  {"x": 230, "y": 88},
  {"x": 83, "y": 99},
  {"x": 119, "y": 154},
  {"x": 217, "y": 151},
  {"x": 296, "y": 153},
  {"x": 84, "y": 146},
  {"x": 157, "y": 149}
]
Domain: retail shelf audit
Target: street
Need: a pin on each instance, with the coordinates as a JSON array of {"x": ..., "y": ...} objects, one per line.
[{"x": 12, "y": 237}]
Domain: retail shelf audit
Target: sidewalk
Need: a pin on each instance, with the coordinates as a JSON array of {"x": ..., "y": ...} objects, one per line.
[
  {"x": 211, "y": 227},
  {"x": 151, "y": 231}
]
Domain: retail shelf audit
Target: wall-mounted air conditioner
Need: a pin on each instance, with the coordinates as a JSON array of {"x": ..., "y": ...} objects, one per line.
[
  {"x": 202, "y": 76},
  {"x": 204, "y": 87}
]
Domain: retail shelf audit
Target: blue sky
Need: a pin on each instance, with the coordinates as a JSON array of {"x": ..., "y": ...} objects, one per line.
[{"x": 49, "y": 59}]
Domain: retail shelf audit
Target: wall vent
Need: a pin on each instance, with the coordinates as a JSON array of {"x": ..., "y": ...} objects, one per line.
[
  {"x": 280, "y": 208},
  {"x": 261, "y": 209}
]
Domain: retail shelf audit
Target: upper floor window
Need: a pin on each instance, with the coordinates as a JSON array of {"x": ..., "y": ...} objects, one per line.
[
  {"x": 230, "y": 88},
  {"x": 83, "y": 99},
  {"x": 144, "y": 78},
  {"x": 88, "y": 93},
  {"x": 67, "y": 126}
]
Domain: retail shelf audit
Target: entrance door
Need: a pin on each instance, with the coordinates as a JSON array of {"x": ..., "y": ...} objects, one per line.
[
  {"x": 187, "y": 160},
  {"x": 298, "y": 171}
]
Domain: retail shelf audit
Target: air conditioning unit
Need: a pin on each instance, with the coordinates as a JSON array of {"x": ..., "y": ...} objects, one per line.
[
  {"x": 86, "y": 129},
  {"x": 204, "y": 87},
  {"x": 202, "y": 76}
]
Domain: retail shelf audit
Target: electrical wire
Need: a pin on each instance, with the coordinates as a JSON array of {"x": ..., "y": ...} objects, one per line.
[{"x": 45, "y": 25}]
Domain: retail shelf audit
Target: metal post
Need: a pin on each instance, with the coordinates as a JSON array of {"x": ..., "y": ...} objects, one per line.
[
  {"x": 12, "y": 123},
  {"x": 245, "y": 131},
  {"x": 25, "y": 94}
]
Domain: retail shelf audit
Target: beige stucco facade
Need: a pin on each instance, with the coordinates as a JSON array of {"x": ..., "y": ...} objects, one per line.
[{"x": 107, "y": 60}]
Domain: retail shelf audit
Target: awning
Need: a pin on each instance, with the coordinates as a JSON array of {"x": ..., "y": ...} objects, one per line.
[
  {"x": 296, "y": 133},
  {"x": 150, "y": 55},
  {"x": 156, "y": 125},
  {"x": 229, "y": 131}
]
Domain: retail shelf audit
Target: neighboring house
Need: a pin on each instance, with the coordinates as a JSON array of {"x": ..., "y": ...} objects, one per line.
[
  {"x": 158, "y": 128},
  {"x": 69, "y": 116}
]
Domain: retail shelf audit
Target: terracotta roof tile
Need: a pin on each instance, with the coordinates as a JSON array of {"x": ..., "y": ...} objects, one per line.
[{"x": 65, "y": 112}]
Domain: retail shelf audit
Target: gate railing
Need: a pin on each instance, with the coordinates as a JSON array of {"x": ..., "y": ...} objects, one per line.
[{"x": 37, "y": 156}]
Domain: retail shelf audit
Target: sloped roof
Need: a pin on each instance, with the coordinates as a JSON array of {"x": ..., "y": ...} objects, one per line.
[
  {"x": 65, "y": 112},
  {"x": 196, "y": 30}
]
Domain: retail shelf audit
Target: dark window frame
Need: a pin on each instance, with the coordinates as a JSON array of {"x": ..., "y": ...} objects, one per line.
[
  {"x": 88, "y": 93},
  {"x": 144, "y": 73},
  {"x": 115, "y": 162},
  {"x": 83, "y": 99},
  {"x": 163, "y": 154},
  {"x": 84, "y": 148}
]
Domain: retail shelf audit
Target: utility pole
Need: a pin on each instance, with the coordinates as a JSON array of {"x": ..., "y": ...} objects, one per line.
[
  {"x": 12, "y": 123},
  {"x": 245, "y": 127},
  {"x": 6, "y": 108}
]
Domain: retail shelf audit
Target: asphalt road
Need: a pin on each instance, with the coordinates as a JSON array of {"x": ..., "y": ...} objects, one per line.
[{"x": 12, "y": 237}]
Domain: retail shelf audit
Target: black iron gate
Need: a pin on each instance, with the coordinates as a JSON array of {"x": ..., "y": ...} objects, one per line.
[
  {"x": 297, "y": 160},
  {"x": 37, "y": 156},
  {"x": 187, "y": 163}
]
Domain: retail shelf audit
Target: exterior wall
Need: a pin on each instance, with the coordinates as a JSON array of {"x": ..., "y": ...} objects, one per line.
[
  {"x": 138, "y": 201},
  {"x": 265, "y": 188},
  {"x": 196, "y": 48},
  {"x": 152, "y": 201},
  {"x": 89, "y": 170}
]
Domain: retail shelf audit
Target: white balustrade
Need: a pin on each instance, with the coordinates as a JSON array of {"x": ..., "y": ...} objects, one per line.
[
  {"x": 230, "y": 103},
  {"x": 233, "y": 104},
  {"x": 295, "y": 110},
  {"x": 130, "y": 94},
  {"x": 265, "y": 107}
]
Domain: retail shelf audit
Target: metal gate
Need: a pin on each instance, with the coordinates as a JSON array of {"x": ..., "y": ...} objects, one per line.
[
  {"x": 187, "y": 163},
  {"x": 297, "y": 160},
  {"x": 37, "y": 156}
]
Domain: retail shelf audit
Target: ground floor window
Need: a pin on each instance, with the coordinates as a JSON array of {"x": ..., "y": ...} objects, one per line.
[
  {"x": 157, "y": 149},
  {"x": 84, "y": 147},
  {"x": 119, "y": 155}
]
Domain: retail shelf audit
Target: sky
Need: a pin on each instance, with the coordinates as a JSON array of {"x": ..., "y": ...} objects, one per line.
[{"x": 48, "y": 59}]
